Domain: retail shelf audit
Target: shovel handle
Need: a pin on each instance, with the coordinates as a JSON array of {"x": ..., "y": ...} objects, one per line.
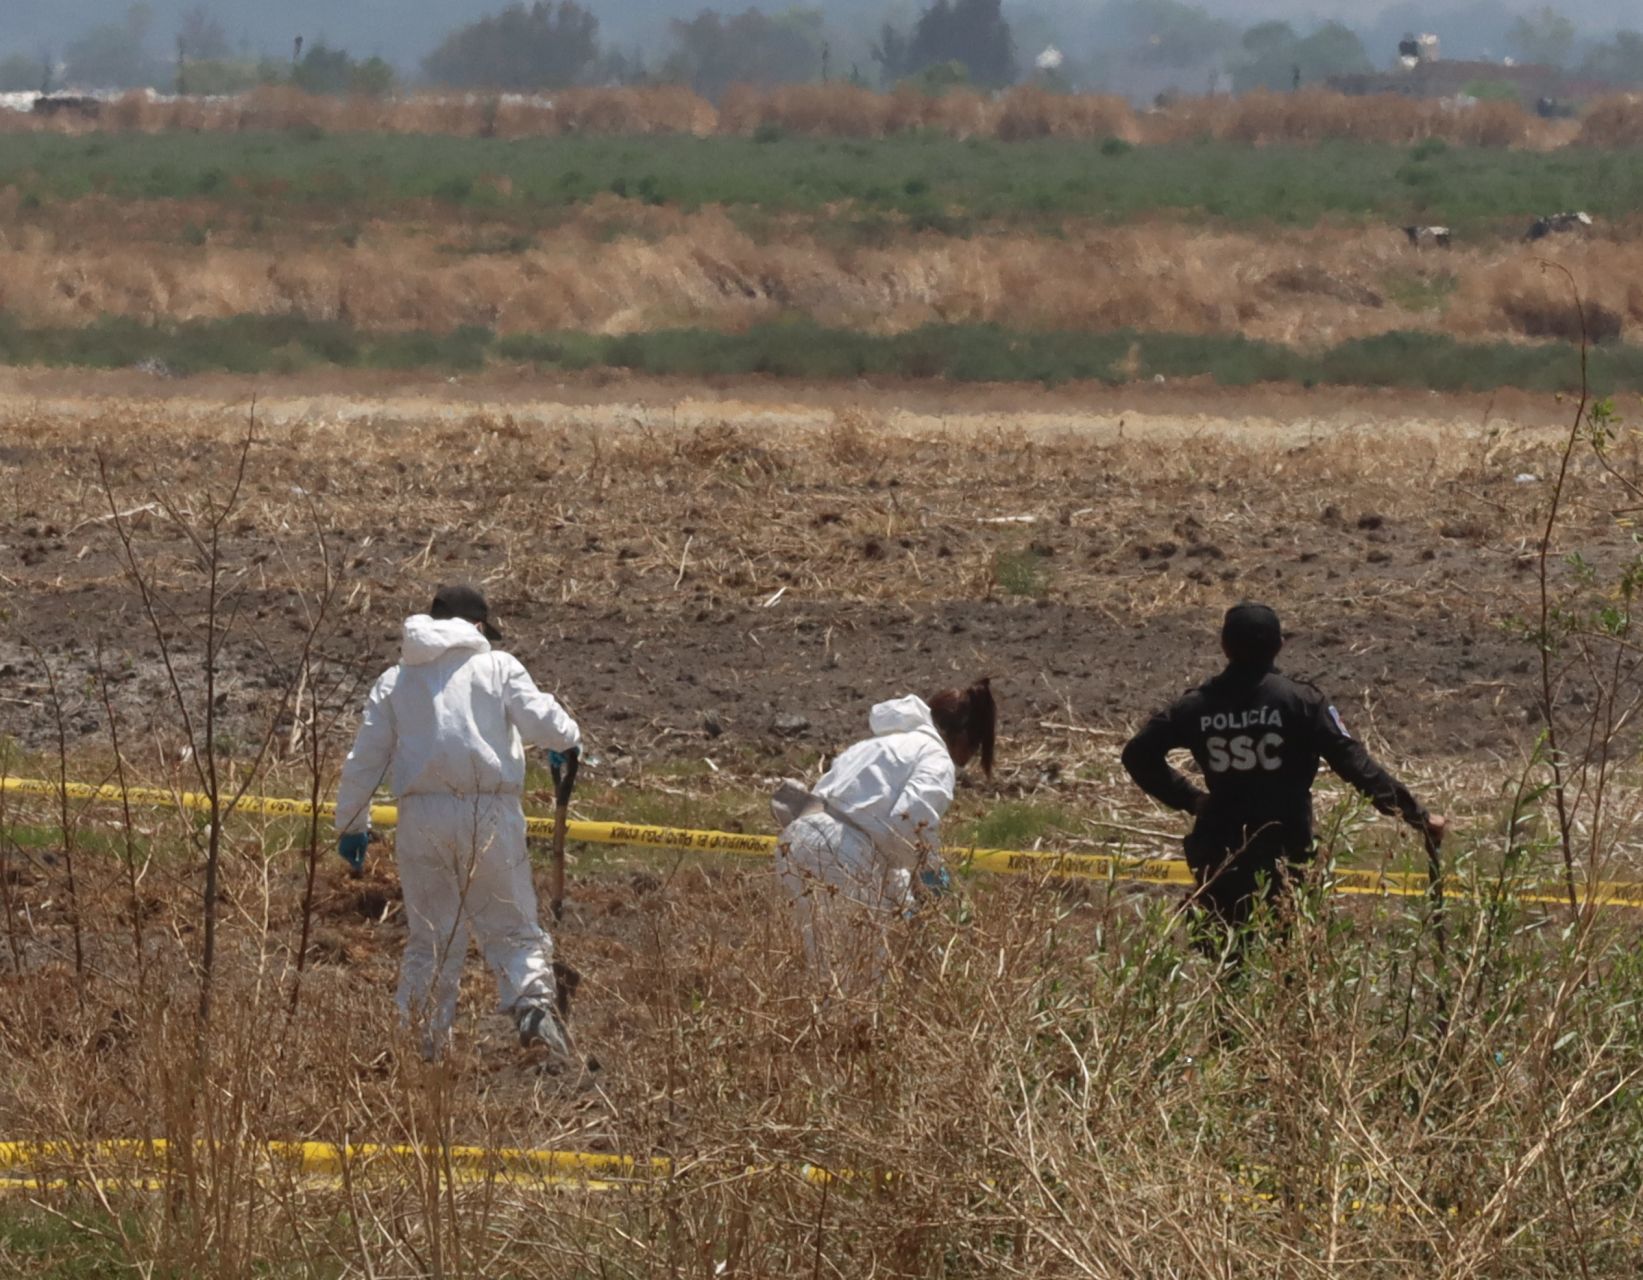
[
  {"x": 564, "y": 782},
  {"x": 1434, "y": 882}
]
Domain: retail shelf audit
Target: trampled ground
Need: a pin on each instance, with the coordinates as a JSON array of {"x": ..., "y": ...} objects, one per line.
[{"x": 670, "y": 557}]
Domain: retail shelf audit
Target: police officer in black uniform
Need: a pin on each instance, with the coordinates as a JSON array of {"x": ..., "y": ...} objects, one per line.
[{"x": 1257, "y": 737}]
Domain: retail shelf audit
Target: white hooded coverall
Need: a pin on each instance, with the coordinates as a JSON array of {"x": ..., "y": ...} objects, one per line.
[
  {"x": 447, "y": 724},
  {"x": 850, "y": 866}
]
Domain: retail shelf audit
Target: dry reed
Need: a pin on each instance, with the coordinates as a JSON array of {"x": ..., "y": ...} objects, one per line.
[
  {"x": 1311, "y": 116},
  {"x": 1317, "y": 115},
  {"x": 600, "y": 111},
  {"x": 1615, "y": 121},
  {"x": 1310, "y": 288}
]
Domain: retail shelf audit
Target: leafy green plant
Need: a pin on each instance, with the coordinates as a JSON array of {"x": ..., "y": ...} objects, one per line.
[
  {"x": 1420, "y": 291},
  {"x": 1022, "y": 572}
]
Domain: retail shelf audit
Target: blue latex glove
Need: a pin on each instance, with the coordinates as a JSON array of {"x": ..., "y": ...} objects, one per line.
[
  {"x": 352, "y": 848},
  {"x": 556, "y": 761},
  {"x": 937, "y": 881}
]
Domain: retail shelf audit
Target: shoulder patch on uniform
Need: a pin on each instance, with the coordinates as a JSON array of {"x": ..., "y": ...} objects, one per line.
[{"x": 1336, "y": 717}]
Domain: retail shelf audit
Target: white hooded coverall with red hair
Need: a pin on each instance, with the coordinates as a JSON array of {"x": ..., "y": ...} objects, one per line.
[{"x": 849, "y": 863}]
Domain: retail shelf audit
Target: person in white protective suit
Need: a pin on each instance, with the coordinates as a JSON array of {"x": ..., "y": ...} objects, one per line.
[
  {"x": 445, "y": 728},
  {"x": 858, "y": 849}
]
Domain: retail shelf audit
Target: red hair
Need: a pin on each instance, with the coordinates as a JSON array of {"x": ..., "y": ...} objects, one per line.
[{"x": 968, "y": 719}]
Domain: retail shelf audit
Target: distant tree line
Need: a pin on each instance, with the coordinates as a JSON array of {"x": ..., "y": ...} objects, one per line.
[{"x": 543, "y": 45}]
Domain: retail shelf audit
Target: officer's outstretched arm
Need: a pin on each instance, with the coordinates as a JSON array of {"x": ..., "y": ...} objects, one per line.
[
  {"x": 1352, "y": 762},
  {"x": 1146, "y": 760}
]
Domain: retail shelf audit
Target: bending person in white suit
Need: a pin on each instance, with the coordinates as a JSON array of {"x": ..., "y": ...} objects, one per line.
[
  {"x": 446, "y": 728},
  {"x": 857, "y": 849}
]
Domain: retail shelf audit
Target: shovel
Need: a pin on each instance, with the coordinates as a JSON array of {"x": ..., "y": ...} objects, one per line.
[
  {"x": 1434, "y": 890},
  {"x": 564, "y": 781}
]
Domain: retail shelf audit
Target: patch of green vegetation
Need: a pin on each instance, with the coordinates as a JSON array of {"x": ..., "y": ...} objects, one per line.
[
  {"x": 802, "y": 349},
  {"x": 1419, "y": 291},
  {"x": 90, "y": 838},
  {"x": 52, "y": 1247},
  {"x": 1021, "y": 571},
  {"x": 1492, "y": 91},
  {"x": 1015, "y": 824},
  {"x": 643, "y": 807},
  {"x": 924, "y": 178}
]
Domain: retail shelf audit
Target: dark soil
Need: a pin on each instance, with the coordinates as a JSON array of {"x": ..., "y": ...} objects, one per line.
[{"x": 717, "y": 584}]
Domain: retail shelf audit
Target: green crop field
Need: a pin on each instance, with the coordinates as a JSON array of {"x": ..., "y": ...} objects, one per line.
[
  {"x": 932, "y": 180},
  {"x": 801, "y": 349}
]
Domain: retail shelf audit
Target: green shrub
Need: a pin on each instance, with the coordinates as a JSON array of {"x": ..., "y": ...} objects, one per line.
[
  {"x": 1022, "y": 572},
  {"x": 1492, "y": 91},
  {"x": 1017, "y": 824}
]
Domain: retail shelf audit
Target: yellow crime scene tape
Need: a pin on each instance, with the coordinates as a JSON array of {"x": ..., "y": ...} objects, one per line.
[
  {"x": 1042, "y": 863},
  {"x": 43, "y": 1166},
  {"x": 130, "y": 1163}
]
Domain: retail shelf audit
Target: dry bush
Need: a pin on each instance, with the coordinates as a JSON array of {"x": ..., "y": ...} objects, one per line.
[
  {"x": 839, "y": 110},
  {"x": 1318, "y": 115},
  {"x": 831, "y": 110},
  {"x": 1542, "y": 314},
  {"x": 666, "y": 109},
  {"x": 1615, "y": 121},
  {"x": 704, "y": 268},
  {"x": 1520, "y": 293},
  {"x": 961, "y": 113},
  {"x": 849, "y": 111},
  {"x": 856, "y": 440},
  {"x": 1030, "y": 112}
]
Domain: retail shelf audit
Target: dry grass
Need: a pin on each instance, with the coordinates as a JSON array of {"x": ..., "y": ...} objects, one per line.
[
  {"x": 1040, "y": 1066},
  {"x": 603, "y": 111},
  {"x": 1311, "y": 288},
  {"x": 860, "y": 522},
  {"x": 1313, "y": 115},
  {"x": 1316, "y": 115},
  {"x": 1613, "y": 122},
  {"x": 1053, "y": 1064}
]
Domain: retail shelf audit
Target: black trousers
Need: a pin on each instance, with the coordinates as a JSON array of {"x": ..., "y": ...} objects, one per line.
[{"x": 1231, "y": 860}]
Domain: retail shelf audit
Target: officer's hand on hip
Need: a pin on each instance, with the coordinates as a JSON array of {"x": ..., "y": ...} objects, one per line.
[{"x": 352, "y": 847}]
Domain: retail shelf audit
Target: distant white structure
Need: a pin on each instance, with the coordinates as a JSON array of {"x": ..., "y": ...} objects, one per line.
[
  {"x": 1050, "y": 59},
  {"x": 1414, "y": 50}
]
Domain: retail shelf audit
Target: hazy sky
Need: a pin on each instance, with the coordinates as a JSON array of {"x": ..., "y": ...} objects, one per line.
[{"x": 404, "y": 30}]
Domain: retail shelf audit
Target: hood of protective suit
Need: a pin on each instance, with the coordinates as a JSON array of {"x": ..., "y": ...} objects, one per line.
[
  {"x": 895, "y": 786},
  {"x": 428, "y": 639},
  {"x": 451, "y": 719},
  {"x": 900, "y": 715}
]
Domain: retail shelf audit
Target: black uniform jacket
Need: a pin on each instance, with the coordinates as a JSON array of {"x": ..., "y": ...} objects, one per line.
[{"x": 1257, "y": 736}]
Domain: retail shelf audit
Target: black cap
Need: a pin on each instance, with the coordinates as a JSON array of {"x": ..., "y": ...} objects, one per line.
[
  {"x": 457, "y": 600},
  {"x": 1251, "y": 633}
]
